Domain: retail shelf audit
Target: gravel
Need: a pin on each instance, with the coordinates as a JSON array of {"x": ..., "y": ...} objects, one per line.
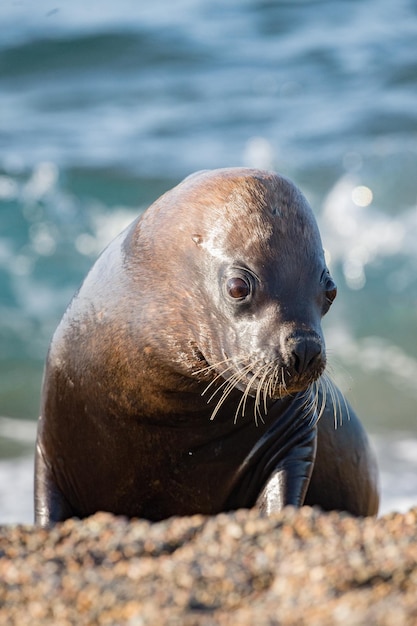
[{"x": 297, "y": 567}]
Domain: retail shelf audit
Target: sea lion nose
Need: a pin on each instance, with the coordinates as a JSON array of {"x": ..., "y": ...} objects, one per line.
[{"x": 304, "y": 352}]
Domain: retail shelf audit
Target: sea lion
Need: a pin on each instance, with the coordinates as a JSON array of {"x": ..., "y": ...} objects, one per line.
[{"x": 186, "y": 374}]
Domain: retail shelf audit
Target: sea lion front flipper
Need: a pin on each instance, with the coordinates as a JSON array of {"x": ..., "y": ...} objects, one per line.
[
  {"x": 278, "y": 469},
  {"x": 289, "y": 482}
]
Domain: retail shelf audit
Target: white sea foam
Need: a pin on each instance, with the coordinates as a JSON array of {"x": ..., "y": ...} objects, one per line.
[
  {"x": 105, "y": 226},
  {"x": 357, "y": 234},
  {"x": 16, "y": 491},
  {"x": 397, "y": 456},
  {"x": 23, "y": 431}
]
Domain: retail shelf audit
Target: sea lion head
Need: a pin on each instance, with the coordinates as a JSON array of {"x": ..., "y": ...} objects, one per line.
[{"x": 242, "y": 250}]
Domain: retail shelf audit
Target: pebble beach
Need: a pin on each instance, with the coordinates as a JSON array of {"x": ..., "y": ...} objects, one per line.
[{"x": 297, "y": 567}]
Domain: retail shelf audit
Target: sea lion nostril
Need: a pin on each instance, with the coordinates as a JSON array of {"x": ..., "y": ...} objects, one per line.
[{"x": 304, "y": 353}]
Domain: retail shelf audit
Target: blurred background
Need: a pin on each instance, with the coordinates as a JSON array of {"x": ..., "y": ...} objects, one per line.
[{"x": 104, "y": 106}]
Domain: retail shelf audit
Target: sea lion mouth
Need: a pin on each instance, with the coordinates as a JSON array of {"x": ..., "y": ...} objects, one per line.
[
  {"x": 257, "y": 379},
  {"x": 274, "y": 380}
]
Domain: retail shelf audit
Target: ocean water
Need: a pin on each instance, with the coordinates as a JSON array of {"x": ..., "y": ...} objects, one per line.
[{"x": 104, "y": 106}]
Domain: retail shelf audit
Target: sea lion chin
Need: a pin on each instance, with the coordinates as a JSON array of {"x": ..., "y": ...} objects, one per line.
[{"x": 185, "y": 376}]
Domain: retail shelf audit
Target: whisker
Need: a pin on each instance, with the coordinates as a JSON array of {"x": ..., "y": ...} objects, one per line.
[
  {"x": 230, "y": 385},
  {"x": 284, "y": 383},
  {"x": 336, "y": 365},
  {"x": 216, "y": 391},
  {"x": 260, "y": 388},
  {"x": 337, "y": 409},
  {"x": 245, "y": 395},
  {"x": 309, "y": 398},
  {"x": 224, "y": 384},
  {"x": 311, "y": 403},
  {"x": 232, "y": 364},
  {"x": 214, "y": 366},
  {"x": 271, "y": 384},
  {"x": 321, "y": 386},
  {"x": 256, "y": 410},
  {"x": 327, "y": 388},
  {"x": 340, "y": 398},
  {"x": 220, "y": 402},
  {"x": 264, "y": 387},
  {"x": 276, "y": 381}
]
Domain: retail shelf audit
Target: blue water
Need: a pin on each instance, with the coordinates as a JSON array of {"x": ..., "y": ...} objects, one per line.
[{"x": 103, "y": 106}]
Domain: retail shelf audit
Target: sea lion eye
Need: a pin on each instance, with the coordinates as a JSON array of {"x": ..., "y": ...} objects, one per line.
[
  {"x": 331, "y": 292},
  {"x": 238, "y": 288},
  {"x": 329, "y": 286}
]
